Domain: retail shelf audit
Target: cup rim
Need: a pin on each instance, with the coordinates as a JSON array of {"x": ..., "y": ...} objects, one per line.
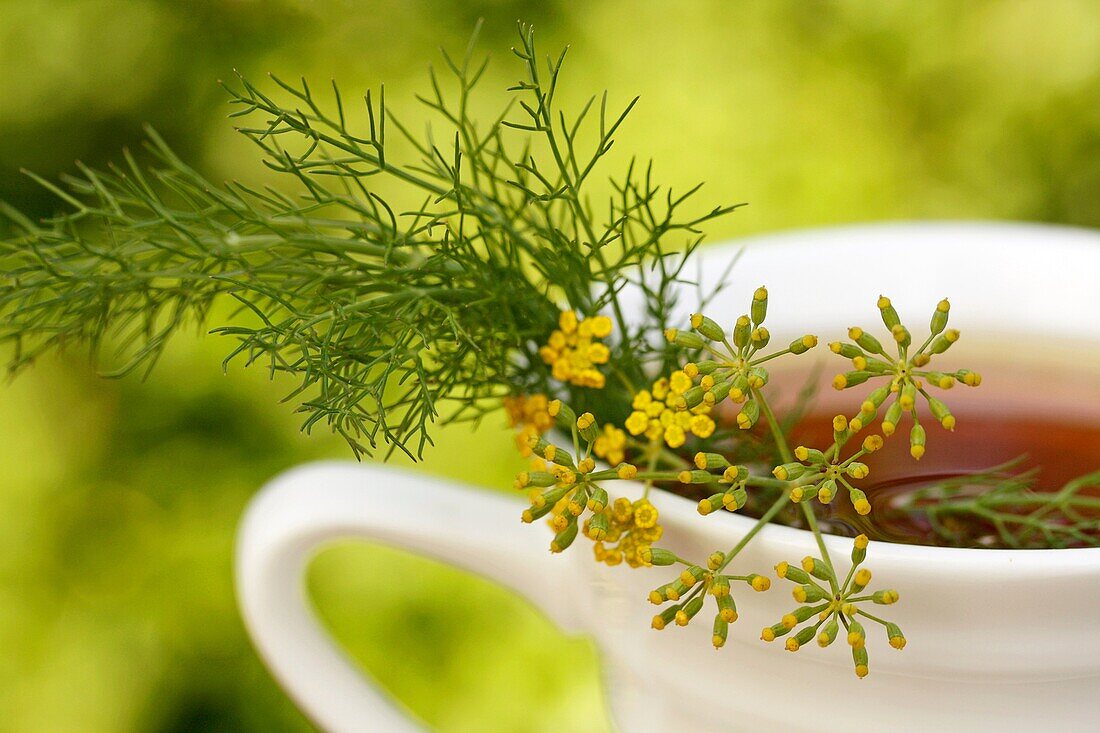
[{"x": 682, "y": 509}]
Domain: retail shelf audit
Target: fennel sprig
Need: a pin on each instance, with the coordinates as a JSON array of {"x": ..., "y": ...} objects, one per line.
[{"x": 386, "y": 320}]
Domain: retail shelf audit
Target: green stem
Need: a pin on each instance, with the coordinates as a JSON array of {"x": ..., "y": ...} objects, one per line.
[
  {"x": 654, "y": 456},
  {"x": 777, "y": 432},
  {"x": 861, "y": 612},
  {"x": 768, "y": 516},
  {"x": 811, "y": 520}
]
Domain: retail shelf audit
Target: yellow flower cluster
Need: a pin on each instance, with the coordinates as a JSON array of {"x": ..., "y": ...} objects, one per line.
[
  {"x": 658, "y": 416},
  {"x": 610, "y": 445},
  {"x": 632, "y": 527},
  {"x": 530, "y": 416},
  {"x": 573, "y": 350}
]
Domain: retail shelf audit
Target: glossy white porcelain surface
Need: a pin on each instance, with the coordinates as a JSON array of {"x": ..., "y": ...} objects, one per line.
[{"x": 998, "y": 640}]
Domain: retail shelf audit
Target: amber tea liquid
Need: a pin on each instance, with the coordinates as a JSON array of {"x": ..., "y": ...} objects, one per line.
[{"x": 1047, "y": 411}]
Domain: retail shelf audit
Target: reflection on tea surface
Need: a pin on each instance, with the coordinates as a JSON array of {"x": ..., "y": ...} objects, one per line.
[{"x": 1054, "y": 453}]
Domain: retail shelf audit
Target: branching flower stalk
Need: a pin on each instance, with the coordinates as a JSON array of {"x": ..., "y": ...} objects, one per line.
[{"x": 734, "y": 370}]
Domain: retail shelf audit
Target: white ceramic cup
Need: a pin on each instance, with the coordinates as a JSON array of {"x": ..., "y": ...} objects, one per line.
[{"x": 999, "y": 640}]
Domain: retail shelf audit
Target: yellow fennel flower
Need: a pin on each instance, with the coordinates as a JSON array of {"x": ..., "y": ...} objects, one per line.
[
  {"x": 529, "y": 415},
  {"x": 661, "y": 413},
  {"x": 610, "y": 445},
  {"x": 573, "y": 350}
]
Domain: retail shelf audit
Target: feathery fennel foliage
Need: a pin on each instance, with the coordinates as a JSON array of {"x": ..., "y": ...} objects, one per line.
[{"x": 387, "y": 320}]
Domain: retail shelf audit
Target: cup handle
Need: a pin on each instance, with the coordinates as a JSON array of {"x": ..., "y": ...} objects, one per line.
[{"x": 306, "y": 508}]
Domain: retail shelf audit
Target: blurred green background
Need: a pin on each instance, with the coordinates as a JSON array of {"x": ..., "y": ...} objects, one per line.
[{"x": 120, "y": 498}]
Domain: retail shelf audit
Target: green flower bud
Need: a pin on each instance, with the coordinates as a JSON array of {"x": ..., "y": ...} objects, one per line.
[
  {"x": 817, "y": 568},
  {"x": 808, "y": 593},
  {"x": 720, "y": 586},
  {"x": 758, "y": 582},
  {"x": 666, "y": 592},
  {"x": 706, "y": 366},
  {"x": 578, "y": 501},
  {"x": 691, "y": 575},
  {"x": 597, "y": 500},
  {"x": 672, "y": 591},
  {"x": 848, "y": 351},
  {"x": 773, "y": 632},
  {"x": 750, "y": 413},
  {"x": 597, "y": 527},
  {"x": 712, "y": 503},
  {"x": 866, "y": 341},
  {"x": 540, "y": 479},
  {"x": 901, "y": 335},
  {"x": 695, "y": 477},
  {"x": 739, "y": 387},
  {"x": 710, "y": 461},
  {"x": 758, "y": 377},
  {"x": 859, "y": 656},
  {"x": 875, "y": 400},
  {"x": 826, "y": 491},
  {"x": 860, "y": 579},
  {"x": 727, "y": 609},
  {"x": 588, "y": 427},
  {"x": 891, "y": 418},
  {"x": 889, "y": 315},
  {"x": 803, "y": 493},
  {"x": 969, "y": 378},
  {"x": 537, "y": 444},
  {"x": 563, "y": 539},
  {"x": 801, "y": 614},
  {"x": 688, "y": 612},
  {"x": 939, "y": 317},
  {"x": 657, "y": 556},
  {"x": 859, "y": 549},
  {"x": 809, "y": 455},
  {"x": 943, "y": 342},
  {"x": 857, "y": 470},
  {"x": 559, "y": 456},
  {"x": 684, "y": 338},
  {"x": 536, "y": 512},
  {"x": 893, "y": 633},
  {"x": 801, "y": 639},
  {"x": 859, "y": 501},
  {"x": 857, "y": 637},
  {"x": 851, "y": 379},
  {"x": 916, "y": 441},
  {"x": 550, "y": 496},
  {"x": 665, "y": 617},
  {"x": 941, "y": 413},
  {"x": 790, "y": 572},
  {"x": 721, "y": 630},
  {"x": 735, "y": 474},
  {"x": 789, "y": 471},
  {"x": 717, "y": 393},
  {"x": 741, "y": 332},
  {"x": 885, "y": 597},
  {"x": 828, "y": 632},
  {"x": 943, "y": 381},
  {"x": 760, "y": 337},
  {"x": 563, "y": 413},
  {"x": 908, "y": 397},
  {"x": 734, "y": 499},
  {"x": 759, "y": 307},
  {"x": 708, "y": 328},
  {"x": 692, "y": 398},
  {"x": 804, "y": 344}
]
